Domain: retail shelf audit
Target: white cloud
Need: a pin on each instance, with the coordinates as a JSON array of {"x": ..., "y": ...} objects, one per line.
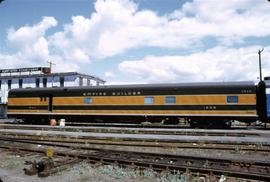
[
  {"x": 30, "y": 43},
  {"x": 109, "y": 74},
  {"x": 217, "y": 64},
  {"x": 10, "y": 61},
  {"x": 63, "y": 65},
  {"x": 27, "y": 35},
  {"x": 229, "y": 19},
  {"x": 118, "y": 25},
  {"x": 32, "y": 48},
  {"x": 79, "y": 55}
]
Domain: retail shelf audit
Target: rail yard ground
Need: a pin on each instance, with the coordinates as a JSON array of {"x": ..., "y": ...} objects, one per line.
[
  {"x": 12, "y": 164},
  {"x": 96, "y": 153}
]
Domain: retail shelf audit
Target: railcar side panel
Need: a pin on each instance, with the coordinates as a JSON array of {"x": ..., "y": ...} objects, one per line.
[{"x": 204, "y": 102}]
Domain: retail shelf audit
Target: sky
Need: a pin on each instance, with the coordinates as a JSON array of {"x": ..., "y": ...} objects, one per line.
[{"x": 139, "y": 41}]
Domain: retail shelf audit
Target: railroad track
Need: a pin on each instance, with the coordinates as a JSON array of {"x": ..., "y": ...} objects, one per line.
[
  {"x": 262, "y": 140},
  {"x": 146, "y": 145},
  {"x": 124, "y": 147},
  {"x": 153, "y": 131},
  {"x": 258, "y": 145},
  {"x": 247, "y": 169}
]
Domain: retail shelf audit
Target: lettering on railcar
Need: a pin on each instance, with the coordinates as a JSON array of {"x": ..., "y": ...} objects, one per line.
[{"x": 112, "y": 93}]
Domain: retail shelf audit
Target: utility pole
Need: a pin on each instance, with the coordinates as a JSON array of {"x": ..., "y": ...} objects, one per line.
[
  {"x": 51, "y": 63},
  {"x": 260, "y": 64},
  {"x": 262, "y": 87}
]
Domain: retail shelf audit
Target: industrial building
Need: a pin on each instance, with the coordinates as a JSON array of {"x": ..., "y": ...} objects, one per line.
[{"x": 40, "y": 77}]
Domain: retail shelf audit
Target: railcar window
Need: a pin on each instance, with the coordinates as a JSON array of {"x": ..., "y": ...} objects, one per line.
[
  {"x": 20, "y": 83},
  {"x": 62, "y": 81},
  {"x": 148, "y": 100},
  {"x": 88, "y": 100},
  {"x": 37, "y": 82},
  {"x": 170, "y": 100},
  {"x": 44, "y": 82},
  {"x": 232, "y": 99},
  {"x": 9, "y": 84}
]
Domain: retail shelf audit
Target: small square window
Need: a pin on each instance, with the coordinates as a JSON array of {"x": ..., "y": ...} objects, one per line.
[
  {"x": 9, "y": 84},
  {"x": 20, "y": 83},
  {"x": 88, "y": 100},
  {"x": 170, "y": 100},
  {"x": 148, "y": 100},
  {"x": 232, "y": 99}
]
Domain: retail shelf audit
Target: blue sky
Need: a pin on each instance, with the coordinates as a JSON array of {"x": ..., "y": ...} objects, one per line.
[{"x": 140, "y": 41}]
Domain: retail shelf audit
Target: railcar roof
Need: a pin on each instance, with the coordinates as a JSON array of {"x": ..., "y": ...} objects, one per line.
[{"x": 141, "y": 86}]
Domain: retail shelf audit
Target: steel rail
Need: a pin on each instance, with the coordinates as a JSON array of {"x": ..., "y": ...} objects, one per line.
[
  {"x": 260, "y": 141},
  {"x": 202, "y": 146},
  {"x": 193, "y": 132}
]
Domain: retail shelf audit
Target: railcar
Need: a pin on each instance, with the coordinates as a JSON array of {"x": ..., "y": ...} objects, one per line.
[{"x": 203, "y": 104}]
